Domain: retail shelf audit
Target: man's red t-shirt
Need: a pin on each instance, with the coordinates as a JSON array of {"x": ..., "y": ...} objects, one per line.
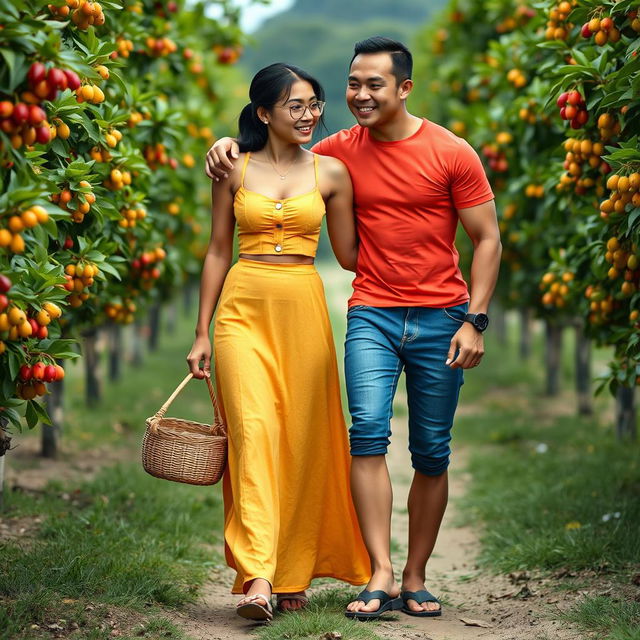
[{"x": 406, "y": 196}]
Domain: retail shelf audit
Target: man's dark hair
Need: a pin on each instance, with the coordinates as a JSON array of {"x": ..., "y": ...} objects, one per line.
[{"x": 401, "y": 58}]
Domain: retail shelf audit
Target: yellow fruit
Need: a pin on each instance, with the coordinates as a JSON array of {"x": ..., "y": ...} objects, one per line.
[
  {"x": 5, "y": 325},
  {"x": 5, "y": 237},
  {"x": 86, "y": 91},
  {"x": 41, "y": 213},
  {"x": 16, "y": 316},
  {"x": 43, "y": 318},
  {"x": 25, "y": 330},
  {"x": 623, "y": 184},
  {"x": 52, "y": 309},
  {"x": 15, "y": 224},
  {"x": 29, "y": 218},
  {"x": 17, "y": 244}
]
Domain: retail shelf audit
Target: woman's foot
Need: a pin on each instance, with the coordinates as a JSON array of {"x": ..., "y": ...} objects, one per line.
[
  {"x": 256, "y": 604},
  {"x": 291, "y": 601}
]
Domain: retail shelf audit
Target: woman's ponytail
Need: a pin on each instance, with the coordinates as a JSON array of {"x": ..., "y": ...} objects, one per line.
[{"x": 252, "y": 131}]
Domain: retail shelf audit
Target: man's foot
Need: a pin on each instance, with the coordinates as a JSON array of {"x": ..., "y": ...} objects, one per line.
[
  {"x": 380, "y": 581},
  {"x": 417, "y": 586},
  {"x": 292, "y": 601}
]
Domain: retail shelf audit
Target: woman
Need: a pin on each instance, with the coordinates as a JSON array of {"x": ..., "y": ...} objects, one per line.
[{"x": 288, "y": 511}]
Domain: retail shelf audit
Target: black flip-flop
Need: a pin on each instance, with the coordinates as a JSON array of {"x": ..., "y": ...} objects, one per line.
[
  {"x": 420, "y": 597},
  {"x": 387, "y": 603}
]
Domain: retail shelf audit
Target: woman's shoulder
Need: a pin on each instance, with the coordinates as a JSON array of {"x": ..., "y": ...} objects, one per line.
[{"x": 331, "y": 167}]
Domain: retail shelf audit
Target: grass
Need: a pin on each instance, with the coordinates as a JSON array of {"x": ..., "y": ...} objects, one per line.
[
  {"x": 610, "y": 618},
  {"x": 123, "y": 539},
  {"x": 323, "y": 615}
]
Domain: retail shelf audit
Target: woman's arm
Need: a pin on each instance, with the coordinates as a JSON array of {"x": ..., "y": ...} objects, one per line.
[
  {"x": 214, "y": 271},
  {"x": 341, "y": 222}
]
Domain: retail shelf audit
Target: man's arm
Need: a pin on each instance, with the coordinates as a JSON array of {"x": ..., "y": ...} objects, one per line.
[
  {"x": 481, "y": 224},
  {"x": 219, "y": 160}
]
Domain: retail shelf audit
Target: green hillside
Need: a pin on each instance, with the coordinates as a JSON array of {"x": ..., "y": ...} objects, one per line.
[{"x": 318, "y": 35}]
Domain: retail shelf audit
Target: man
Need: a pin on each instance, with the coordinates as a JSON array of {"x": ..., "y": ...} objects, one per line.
[{"x": 413, "y": 180}]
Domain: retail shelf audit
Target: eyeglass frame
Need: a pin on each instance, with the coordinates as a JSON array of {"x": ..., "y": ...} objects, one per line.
[{"x": 304, "y": 110}]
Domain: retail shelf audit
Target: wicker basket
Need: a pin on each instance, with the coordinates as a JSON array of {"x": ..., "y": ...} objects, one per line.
[{"x": 183, "y": 450}]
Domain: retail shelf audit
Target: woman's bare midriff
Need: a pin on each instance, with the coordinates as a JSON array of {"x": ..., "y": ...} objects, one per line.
[{"x": 291, "y": 259}]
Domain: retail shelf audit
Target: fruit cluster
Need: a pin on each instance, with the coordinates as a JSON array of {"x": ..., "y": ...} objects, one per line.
[
  {"x": 78, "y": 203},
  {"x": 533, "y": 190},
  {"x": 634, "y": 21},
  {"x": 604, "y": 30},
  {"x": 573, "y": 108},
  {"x": 146, "y": 269},
  {"x": 227, "y": 55},
  {"x": 90, "y": 93},
  {"x": 79, "y": 277},
  {"x": 32, "y": 378},
  {"x": 86, "y": 13},
  {"x": 556, "y": 289},
  {"x": 112, "y": 137},
  {"x": 130, "y": 216},
  {"x": 517, "y": 78},
  {"x": 521, "y": 16},
  {"x": 601, "y": 305},
  {"x": 159, "y": 47},
  {"x": 156, "y": 155},
  {"x": 495, "y": 153},
  {"x": 625, "y": 189},
  {"x": 15, "y": 324},
  {"x": 122, "y": 313},
  {"x": 581, "y": 152},
  {"x": 135, "y": 118},
  {"x": 125, "y": 47},
  {"x": 117, "y": 179},
  {"x": 558, "y": 26},
  {"x": 100, "y": 155},
  {"x": 608, "y": 125},
  {"x": 17, "y": 222},
  {"x": 624, "y": 263},
  {"x": 44, "y": 84},
  {"x": 24, "y": 123}
]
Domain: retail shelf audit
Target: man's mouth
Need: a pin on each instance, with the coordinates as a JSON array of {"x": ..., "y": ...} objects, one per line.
[{"x": 367, "y": 109}]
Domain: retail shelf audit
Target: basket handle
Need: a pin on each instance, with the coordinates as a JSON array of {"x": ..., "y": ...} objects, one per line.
[{"x": 217, "y": 422}]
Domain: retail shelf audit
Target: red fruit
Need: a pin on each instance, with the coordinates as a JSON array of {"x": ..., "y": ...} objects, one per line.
[
  {"x": 50, "y": 373},
  {"x": 20, "y": 113},
  {"x": 5, "y": 284},
  {"x": 570, "y": 112},
  {"x": 145, "y": 259},
  {"x": 68, "y": 242},
  {"x": 575, "y": 98},
  {"x": 25, "y": 372},
  {"x": 582, "y": 117},
  {"x": 73, "y": 81},
  {"x": 38, "y": 370},
  {"x": 155, "y": 272},
  {"x": 36, "y": 115},
  {"x": 173, "y": 163},
  {"x": 605, "y": 168},
  {"x": 59, "y": 372},
  {"x": 34, "y": 325},
  {"x": 585, "y": 31},
  {"x": 187, "y": 54},
  {"x": 135, "y": 264},
  {"x": 575, "y": 123},
  {"x": 172, "y": 6},
  {"x": 42, "y": 333},
  {"x": 43, "y": 134},
  {"x": 4, "y": 302},
  {"x": 606, "y": 24},
  {"x": 57, "y": 78},
  {"x": 36, "y": 73},
  {"x": 563, "y": 113},
  {"x": 562, "y": 99}
]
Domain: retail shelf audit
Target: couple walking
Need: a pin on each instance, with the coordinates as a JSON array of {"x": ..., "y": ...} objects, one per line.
[{"x": 296, "y": 506}]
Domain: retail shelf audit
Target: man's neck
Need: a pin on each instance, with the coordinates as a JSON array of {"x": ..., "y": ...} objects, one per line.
[{"x": 401, "y": 127}]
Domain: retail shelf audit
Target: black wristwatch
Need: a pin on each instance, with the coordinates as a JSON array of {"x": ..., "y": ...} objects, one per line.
[{"x": 480, "y": 321}]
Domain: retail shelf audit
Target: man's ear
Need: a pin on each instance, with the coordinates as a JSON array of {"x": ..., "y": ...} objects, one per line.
[{"x": 406, "y": 86}]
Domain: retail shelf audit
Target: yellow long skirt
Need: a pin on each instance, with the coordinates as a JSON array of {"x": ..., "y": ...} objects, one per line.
[{"x": 288, "y": 510}]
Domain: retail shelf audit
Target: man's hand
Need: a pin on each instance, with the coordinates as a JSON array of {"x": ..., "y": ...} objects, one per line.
[
  {"x": 218, "y": 161},
  {"x": 468, "y": 343}
]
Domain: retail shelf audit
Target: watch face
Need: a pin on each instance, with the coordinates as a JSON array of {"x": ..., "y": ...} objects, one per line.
[{"x": 481, "y": 321}]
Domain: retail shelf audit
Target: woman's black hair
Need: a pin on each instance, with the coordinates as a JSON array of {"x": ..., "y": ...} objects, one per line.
[{"x": 268, "y": 87}]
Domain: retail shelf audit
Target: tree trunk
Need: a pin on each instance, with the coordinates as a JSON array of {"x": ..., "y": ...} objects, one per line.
[
  {"x": 187, "y": 298},
  {"x": 5, "y": 441},
  {"x": 553, "y": 357},
  {"x": 91, "y": 367},
  {"x": 525, "y": 333},
  {"x": 626, "y": 414},
  {"x": 498, "y": 317},
  {"x": 171, "y": 323},
  {"x": 54, "y": 403},
  {"x": 115, "y": 351},
  {"x": 583, "y": 371},
  {"x": 137, "y": 333},
  {"x": 154, "y": 326}
]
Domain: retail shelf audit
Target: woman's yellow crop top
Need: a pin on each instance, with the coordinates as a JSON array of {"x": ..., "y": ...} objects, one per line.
[{"x": 278, "y": 227}]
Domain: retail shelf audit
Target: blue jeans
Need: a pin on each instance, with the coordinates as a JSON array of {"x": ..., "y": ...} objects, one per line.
[{"x": 380, "y": 343}]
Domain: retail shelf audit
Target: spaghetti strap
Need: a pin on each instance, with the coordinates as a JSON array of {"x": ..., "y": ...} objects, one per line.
[
  {"x": 244, "y": 167},
  {"x": 315, "y": 166}
]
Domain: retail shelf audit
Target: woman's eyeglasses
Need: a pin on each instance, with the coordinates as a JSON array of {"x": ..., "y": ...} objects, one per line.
[{"x": 297, "y": 111}]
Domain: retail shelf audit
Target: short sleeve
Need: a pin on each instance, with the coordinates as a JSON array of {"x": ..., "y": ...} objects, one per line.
[{"x": 469, "y": 183}]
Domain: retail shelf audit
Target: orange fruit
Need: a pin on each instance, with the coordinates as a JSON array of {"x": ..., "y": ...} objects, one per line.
[{"x": 17, "y": 244}]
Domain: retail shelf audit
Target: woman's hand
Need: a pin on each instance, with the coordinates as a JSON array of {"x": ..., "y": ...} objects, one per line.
[{"x": 200, "y": 352}]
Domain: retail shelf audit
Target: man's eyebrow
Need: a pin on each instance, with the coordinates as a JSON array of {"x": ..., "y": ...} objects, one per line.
[{"x": 371, "y": 79}]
